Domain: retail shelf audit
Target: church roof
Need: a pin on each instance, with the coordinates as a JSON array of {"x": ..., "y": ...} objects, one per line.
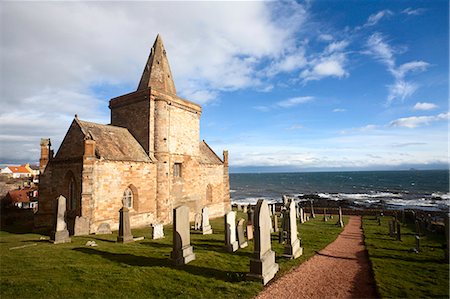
[
  {"x": 207, "y": 155},
  {"x": 113, "y": 143},
  {"x": 157, "y": 74}
]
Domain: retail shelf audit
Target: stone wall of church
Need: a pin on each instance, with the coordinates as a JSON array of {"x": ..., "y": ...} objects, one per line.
[
  {"x": 111, "y": 178},
  {"x": 213, "y": 184}
]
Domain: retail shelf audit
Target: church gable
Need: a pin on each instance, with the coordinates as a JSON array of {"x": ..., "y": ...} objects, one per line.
[
  {"x": 72, "y": 145},
  {"x": 114, "y": 143},
  {"x": 207, "y": 155}
]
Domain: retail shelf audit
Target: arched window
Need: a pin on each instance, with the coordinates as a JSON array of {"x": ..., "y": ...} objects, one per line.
[{"x": 127, "y": 198}]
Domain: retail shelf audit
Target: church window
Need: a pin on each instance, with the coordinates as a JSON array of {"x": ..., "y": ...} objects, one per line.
[
  {"x": 177, "y": 170},
  {"x": 128, "y": 198}
]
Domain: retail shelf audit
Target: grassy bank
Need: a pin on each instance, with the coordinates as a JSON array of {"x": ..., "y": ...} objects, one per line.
[
  {"x": 141, "y": 269},
  {"x": 400, "y": 273}
]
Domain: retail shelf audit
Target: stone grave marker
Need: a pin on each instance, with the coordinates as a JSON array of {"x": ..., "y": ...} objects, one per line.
[
  {"x": 399, "y": 234},
  {"x": 81, "y": 226},
  {"x": 206, "y": 227},
  {"x": 292, "y": 248},
  {"x": 60, "y": 233},
  {"x": 104, "y": 229},
  {"x": 249, "y": 231},
  {"x": 340, "y": 222},
  {"x": 275, "y": 223},
  {"x": 182, "y": 252},
  {"x": 325, "y": 218},
  {"x": 157, "y": 231},
  {"x": 262, "y": 265},
  {"x": 302, "y": 215},
  {"x": 231, "y": 244},
  {"x": 125, "y": 235},
  {"x": 240, "y": 234},
  {"x": 239, "y": 207},
  {"x": 417, "y": 249},
  {"x": 391, "y": 229},
  {"x": 197, "y": 221},
  {"x": 312, "y": 211},
  {"x": 245, "y": 209},
  {"x": 250, "y": 213}
]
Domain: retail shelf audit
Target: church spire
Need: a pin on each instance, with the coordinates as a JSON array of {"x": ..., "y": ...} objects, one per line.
[{"x": 157, "y": 73}]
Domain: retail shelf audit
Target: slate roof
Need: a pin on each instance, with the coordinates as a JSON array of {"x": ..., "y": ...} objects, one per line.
[
  {"x": 114, "y": 143},
  {"x": 207, "y": 155}
]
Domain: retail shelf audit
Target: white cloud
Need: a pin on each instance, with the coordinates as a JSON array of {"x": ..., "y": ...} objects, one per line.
[
  {"x": 325, "y": 37},
  {"x": 337, "y": 46},
  {"x": 329, "y": 66},
  {"x": 413, "y": 12},
  {"x": 375, "y": 18},
  {"x": 425, "y": 106},
  {"x": 339, "y": 110},
  {"x": 294, "y": 102},
  {"x": 418, "y": 121},
  {"x": 401, "y": 88}
]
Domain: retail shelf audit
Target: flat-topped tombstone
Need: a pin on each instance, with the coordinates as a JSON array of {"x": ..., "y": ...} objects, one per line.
[
  {"x": 249, "y": 231},
  {"x": 157, "y": 231},
  {"x": 81, "y": 227},
  {"x": 240, "y": 234},
  {"x": 262, "y": 265},
  {"x": 206, "y": 227},
  {"x": 231, "y": 244},
  {"x": 60, "y": 233},
  {"x": 292, "y": 248},
  {"x": 182, "y": 252},
  {"x": 124, "y": 235}
]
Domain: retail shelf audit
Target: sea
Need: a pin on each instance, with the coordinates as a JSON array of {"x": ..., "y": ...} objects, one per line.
[{"x": 412, "y": 189}]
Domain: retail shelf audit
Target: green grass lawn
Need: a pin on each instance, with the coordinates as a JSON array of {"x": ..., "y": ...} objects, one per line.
[
  {"x": 400, "y": 273},
  {"x": 141, "y": 269}
]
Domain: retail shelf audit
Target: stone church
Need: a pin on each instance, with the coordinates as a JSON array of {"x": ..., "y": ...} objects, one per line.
[{"x": 150, "y": 158}]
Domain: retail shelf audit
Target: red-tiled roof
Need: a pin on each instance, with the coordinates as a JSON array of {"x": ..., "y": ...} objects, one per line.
[
  {"x": 18, "y": 169},
  {"x": 20, "y": 195}
]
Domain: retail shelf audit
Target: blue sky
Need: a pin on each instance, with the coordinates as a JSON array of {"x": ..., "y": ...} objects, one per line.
[{"x": 284, "y": 86}]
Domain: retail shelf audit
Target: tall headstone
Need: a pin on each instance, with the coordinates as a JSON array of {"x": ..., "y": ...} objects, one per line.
[
  {"x": 157, "y": 231},
  {"x": 206, "y": 227},
  {"x": 60, "y": 233},
  {"x": 125, "y": 235},
  {"x": 245, "y": 209},
  {"x": 250, "y": 214},
  {"x": 197, "y": 221},
  {"x": 274, "y": 208},
  {"x": 240, "y": 234},
  {"x": 417, "y": 249},
  {"x": 262, "y": 265},
  {"x": 239, "y": 207},
  {"x": 249, "y": 231},
  {"x": 340, "y": 222},
  {"x": 325, "y": 218},
  {"x": 231, "y": 244},
  {"x": 312, "y": 211},
  {"x": 301, "y": 215},
  {"x": 182, "y": 252},
  {"x": 292, "y": 248},
  {"x": 284, "y": 198}
]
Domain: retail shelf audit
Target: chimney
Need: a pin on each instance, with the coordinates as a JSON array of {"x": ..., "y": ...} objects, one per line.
[
  {"x": 225, "y": 158},
  {"x": 46, "y": 154}
]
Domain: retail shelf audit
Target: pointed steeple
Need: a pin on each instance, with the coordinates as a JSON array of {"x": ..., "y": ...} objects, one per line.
[{"x": 157, "y": 73}]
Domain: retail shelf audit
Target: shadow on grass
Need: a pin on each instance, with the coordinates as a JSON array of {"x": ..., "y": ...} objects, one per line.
[
  {"x": 145, "y": 261},
  {"x": 402, "y": 258},
  {"x": 335, "y": 256},
  {"x": 155, "y": 244}
]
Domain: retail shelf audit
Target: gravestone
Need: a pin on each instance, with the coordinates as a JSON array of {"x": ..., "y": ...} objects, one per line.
[
  {"x": 417, "y": 228},
  {"x": 245, "y": 209},
  {"x": 157, "y": 231},
  {"x": 81, "y": 226},
  {"x": 284, "y": 198},
  {"x": 231, "y": 244},
  {"x": 275, "y": 223},
  {"x": 312, "y": 211},
  {"x": 417, "y": 249},
  {"x": 399, "y": 234},
  {"x": 293, "y": 248},
  {"x": 182, "y": 252},
  {"x": 239, "y": 207},
  {"x": 394, "y": 225},
  {"x": 250, "y": 214},
  {"x": 302, "y": 215},
  {"x": 60, "y": 233},
  {"x": 249, "y": 231},
  {"x": 274, "y": 208},
  {"x": 391, "y": 229},
  {"x": 197, "y": 221},
  {"x": 240, "y": 234},
  {"x": 340, "y": 222},
  {"x": 297, "y": 210},
  {"x": 125, "y": 235},
  {"x": 206, "y": 227},
  {"x": 325, "y": 218},
  {"x": 104, "y": 229},
  {"x": 262, "y": 265}
]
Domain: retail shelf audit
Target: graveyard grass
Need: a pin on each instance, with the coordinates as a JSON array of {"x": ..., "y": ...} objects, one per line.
[
  {"x": 141, "y": 269},
  {"x": 400, "y": 273}
]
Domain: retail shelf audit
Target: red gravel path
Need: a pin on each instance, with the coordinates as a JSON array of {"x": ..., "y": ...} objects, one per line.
[{"x": 341, "y": 270}]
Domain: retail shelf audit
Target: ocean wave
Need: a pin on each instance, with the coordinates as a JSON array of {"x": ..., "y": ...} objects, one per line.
[
  {"x": 253, "y": 200},
  {"x": 441, "y": 195}
]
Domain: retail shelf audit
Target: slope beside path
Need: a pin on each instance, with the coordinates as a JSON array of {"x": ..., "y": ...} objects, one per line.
[{"x": 340, "y": 270}]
